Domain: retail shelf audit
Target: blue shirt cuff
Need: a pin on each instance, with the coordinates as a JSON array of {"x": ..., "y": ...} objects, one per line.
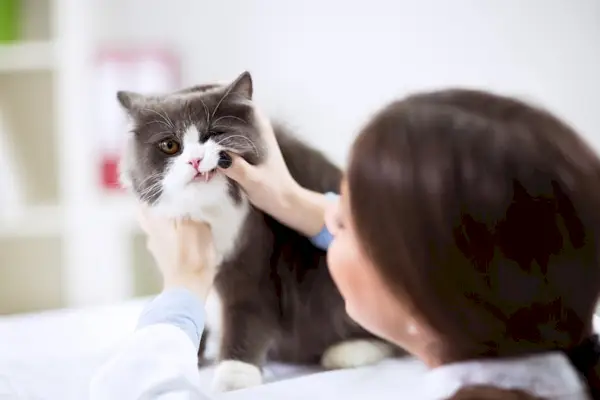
[
  {"x": 323, "y": 239},
  {"x": 178, "y": 307}
]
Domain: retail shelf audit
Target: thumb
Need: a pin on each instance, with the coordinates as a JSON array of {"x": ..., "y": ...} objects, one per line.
[{"x": 239, "y": 170}]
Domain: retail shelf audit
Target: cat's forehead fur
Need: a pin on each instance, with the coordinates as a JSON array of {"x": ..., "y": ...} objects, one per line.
[
  {"x": 202, "y": 103},
  {"x": 207, "y": 101}
]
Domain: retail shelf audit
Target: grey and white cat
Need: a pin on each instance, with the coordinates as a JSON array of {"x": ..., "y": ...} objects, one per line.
[{"x": 276, "y": 298}]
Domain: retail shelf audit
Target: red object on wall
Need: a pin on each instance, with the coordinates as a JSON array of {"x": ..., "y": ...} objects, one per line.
[
  {"x": 145, "y": 70},
  {"x": 110, "y": 172}
]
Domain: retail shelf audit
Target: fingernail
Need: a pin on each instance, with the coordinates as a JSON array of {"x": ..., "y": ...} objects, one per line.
[{"x": 225, "y": 160}]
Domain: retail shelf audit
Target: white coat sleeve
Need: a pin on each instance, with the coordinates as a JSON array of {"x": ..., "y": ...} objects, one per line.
[{"x": 159, "y": 361}]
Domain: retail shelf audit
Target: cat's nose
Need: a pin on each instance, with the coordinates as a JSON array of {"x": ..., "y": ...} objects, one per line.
[{"x": 195, "y": 163}]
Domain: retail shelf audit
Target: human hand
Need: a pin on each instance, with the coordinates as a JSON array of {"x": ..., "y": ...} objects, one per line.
[
  {"x": 268, "y": 185},
  {"x": 271, "y": 188},
  {"x": 183, "y": 250}
]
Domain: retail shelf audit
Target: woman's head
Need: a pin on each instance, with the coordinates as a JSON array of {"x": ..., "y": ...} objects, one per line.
[{"x": 470, "y": 221}]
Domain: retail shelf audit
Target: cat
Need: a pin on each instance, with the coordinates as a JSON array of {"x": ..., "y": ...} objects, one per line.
[{"x": 277, "y": 299}]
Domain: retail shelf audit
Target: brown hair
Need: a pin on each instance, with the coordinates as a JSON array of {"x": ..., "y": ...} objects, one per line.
[{"x": 484, "y": 213}]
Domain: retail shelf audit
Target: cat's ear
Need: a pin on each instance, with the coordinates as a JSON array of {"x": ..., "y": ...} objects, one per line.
[
  {"x": 132, "y": 102},
  {"x": 242, "y": 86}
]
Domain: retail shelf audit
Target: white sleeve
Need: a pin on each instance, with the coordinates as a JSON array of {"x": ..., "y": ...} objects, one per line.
[{"x": 158, "y": 362}]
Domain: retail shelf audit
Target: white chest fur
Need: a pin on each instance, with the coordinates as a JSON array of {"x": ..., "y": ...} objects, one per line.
[{"x": 211, "y": 203}]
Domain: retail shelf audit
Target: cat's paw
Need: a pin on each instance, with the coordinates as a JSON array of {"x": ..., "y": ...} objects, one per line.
[
  {"x": 356, "y": 353},
  {"x": 234, "y": 375}
]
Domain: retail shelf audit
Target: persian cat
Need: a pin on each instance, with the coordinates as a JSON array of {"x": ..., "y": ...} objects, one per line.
[{"x": 275, "y": 296}]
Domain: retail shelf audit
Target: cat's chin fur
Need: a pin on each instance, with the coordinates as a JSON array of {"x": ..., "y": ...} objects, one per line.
[{"x": 209, "y": 202}]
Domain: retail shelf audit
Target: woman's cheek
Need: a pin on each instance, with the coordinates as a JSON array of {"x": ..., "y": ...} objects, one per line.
[
  {"x": 332, "y": 259},
  {"x": 335, "y": 263},
  {"x": 350, "y": 271},
  {"x": 342, "y": 263}
]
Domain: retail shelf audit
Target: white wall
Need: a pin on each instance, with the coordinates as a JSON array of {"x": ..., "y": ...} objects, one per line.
[{"x": 325, "y": 65}]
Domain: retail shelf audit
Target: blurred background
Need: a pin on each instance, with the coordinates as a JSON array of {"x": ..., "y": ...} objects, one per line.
[{"x": 67, "y": 233}]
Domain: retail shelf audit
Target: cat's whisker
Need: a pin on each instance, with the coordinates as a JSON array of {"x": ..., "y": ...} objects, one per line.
[
  {"x": 227, "y": 93},
  {"x": 231, "y": 137},
  {"x": 169, "y": 120},
  {"x": 230, "y": 116},
  {"x": 158, "y": 135},
  {"x": 155, "y": 177},
  {"x": 227, "y": 128},
  {"x": 151, "y": 176},
  {"x": 151, "y": 191},
  {"x": 206, "y": 112},
  {"x": 144, "y": 187},
  {"x": 241, "y": 149},
  {"x": 252, "y": 146},
  {"x": 154, "y": 188},
  {"x": 151, "y": 194},
  {"x": 217, "y": 106},
  {"x": 165, "y": 118}
]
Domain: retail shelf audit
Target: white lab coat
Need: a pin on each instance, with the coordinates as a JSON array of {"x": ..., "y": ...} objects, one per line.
[
  {"x": 547, "y": 375},
  {"x": 158, "y": 362}
]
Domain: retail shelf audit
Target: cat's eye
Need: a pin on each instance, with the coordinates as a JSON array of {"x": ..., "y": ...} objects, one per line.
[{"x": 169, "y": 146}]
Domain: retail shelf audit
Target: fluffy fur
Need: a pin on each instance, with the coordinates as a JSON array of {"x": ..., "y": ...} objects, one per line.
[{"x": 275, "y": 294}]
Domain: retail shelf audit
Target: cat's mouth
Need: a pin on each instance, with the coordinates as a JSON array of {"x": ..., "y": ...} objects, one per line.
[{"x": 205, "y": 176}]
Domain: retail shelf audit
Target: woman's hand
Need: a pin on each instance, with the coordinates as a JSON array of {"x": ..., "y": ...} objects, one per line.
[
  {"x": 267, "y": 185},
  {"x": 183, "y": 250},
  {"x": 271, "y": 188}
]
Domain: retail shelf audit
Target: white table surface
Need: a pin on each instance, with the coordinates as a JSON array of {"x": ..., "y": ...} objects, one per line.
[{"x": 52, "y": 355}]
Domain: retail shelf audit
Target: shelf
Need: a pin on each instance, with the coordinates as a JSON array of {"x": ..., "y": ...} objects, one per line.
[
  {"x": 33, "y": 142},
  {"x": 27, "y": 56},
  {"x": 46, "y": 220},
  {"x": 30, "y": 274},
  {"x": 38, "y": 221},
  {"x": 147, "y": 280},
  {"x": 119, "y": 208}
]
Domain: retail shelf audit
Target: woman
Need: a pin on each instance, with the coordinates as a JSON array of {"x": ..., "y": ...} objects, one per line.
[{"x": 466, "y": 233}]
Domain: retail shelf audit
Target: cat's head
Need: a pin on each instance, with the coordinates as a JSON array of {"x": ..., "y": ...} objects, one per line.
[{"x": 172, "y": 152}]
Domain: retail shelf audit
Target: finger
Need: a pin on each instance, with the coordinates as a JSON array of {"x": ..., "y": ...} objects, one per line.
[
  {"x": 151, "y": 223},
  {"x": 142, "y": 217},
  {"x": 239, "y": 170},
  {"x": 196, "y": 229},
  {"x": 150, "y": 245}
]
